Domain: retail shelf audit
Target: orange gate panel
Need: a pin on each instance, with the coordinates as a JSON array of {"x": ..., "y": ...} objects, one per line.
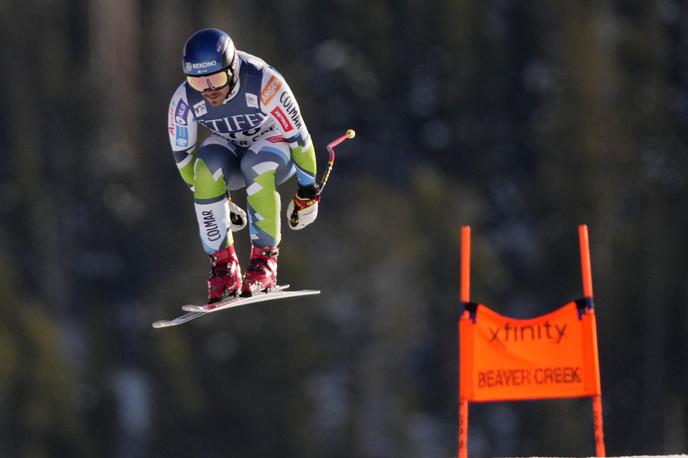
[{"x": 551, "y": 356}]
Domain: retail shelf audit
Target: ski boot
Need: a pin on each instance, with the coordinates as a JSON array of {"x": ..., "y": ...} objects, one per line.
[
  {"x": 225, "y": 275},
  {"x": 261, "y": 273}
]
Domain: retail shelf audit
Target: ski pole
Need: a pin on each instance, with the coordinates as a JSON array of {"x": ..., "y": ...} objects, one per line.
[{"x": 330, "y": 163}]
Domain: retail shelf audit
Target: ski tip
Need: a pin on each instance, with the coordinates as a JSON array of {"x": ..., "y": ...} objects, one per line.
[{"x": 159, "y": 324}]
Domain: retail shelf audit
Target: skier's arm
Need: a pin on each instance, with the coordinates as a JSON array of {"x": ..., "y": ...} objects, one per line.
[
  {"x": 278, "y": 101},
  {"x": 182, "y": 129}
]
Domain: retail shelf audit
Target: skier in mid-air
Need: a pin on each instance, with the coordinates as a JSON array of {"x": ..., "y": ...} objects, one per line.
[{"x": 258, "y": 140}]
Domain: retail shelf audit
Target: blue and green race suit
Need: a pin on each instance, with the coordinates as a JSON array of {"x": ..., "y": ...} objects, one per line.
[{"x": 258, "y": 139}]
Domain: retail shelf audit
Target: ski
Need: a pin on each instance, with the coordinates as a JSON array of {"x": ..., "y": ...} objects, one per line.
[{"x": 195, "y": 311}]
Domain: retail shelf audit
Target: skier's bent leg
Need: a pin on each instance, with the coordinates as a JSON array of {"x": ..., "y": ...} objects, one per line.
[
  {"x": 213, "y": 215},
  {"x": 263, "y": 170},
  {"x": 212, "y": 208}
]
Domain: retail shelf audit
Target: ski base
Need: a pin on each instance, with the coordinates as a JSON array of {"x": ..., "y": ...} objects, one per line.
[{"x": 195, "y": 311}]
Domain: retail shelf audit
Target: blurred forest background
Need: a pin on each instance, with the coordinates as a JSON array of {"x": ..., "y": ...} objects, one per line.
[{"x": 521, "y": 119}]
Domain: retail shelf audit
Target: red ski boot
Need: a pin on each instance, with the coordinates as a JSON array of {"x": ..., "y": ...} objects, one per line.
[
  {"x": 261, "y": 273},
  {"x": 225, "y": 275}
]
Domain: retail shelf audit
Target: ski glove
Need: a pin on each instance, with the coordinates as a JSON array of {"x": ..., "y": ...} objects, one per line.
[
  {"x": 237, "y": 216},
  {"x": 303, "y": 207}
]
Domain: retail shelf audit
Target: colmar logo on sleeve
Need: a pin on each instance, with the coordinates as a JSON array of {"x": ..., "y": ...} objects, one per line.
[
  {"x": 290, "y": 105},
  {"x": 271, "y": 88}
]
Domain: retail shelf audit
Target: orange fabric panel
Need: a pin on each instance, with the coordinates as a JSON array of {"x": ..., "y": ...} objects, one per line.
[{"x": 550, "y": 356}]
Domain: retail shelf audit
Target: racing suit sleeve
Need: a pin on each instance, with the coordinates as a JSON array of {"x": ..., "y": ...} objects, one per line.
[
  {"x": 278, "y": 102},
  {"x": 182, "y": 129}
]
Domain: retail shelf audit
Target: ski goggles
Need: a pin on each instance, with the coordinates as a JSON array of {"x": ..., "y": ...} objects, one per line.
[{"x": 213, "y": 81}]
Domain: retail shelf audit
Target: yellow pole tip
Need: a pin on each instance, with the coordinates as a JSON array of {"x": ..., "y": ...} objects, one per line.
[{"x": 351, "y": 133}]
